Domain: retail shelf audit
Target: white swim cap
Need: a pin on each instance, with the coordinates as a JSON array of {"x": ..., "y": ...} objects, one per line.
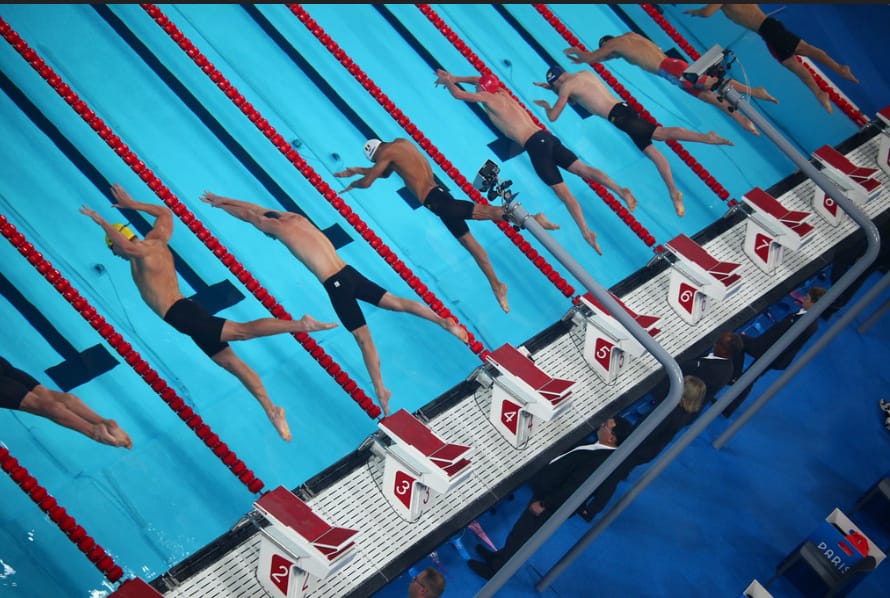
[{"x": 371, "y": 146}]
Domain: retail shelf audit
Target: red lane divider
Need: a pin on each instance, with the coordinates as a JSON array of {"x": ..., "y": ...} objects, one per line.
[
  {"x": 846, "y": 107},
  {"x": 307, "y": 171},
  {"x": 622, "y": 91},
  {"x": 126, "y": 351},
  {"x": 427, "y": 146},
  {"x": 60, "y": 516},
  {"x": 480, "y": 66},
  {"x": 187, "y": 217}
]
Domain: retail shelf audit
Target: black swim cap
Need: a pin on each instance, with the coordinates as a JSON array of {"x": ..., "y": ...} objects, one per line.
[
  {"x": 553, "y": 74},
  {"x": 605, "y": 38}
]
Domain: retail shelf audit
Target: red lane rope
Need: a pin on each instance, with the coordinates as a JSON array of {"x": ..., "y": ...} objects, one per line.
[
  {"x": 306, "y": 170},
  {"x": 130, "y": 355},
  {"x": 178, "y": 208},
  {"x": 69, "y": 526},
  {"x": 480, "y": 66},
  {"x": 423, "y": 141},
  {"x": 846, "y": 107},
  {"x": 609, "y": 78}
]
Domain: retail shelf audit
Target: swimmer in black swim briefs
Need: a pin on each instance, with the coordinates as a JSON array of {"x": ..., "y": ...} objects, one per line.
[
  {"x": 585, "y": 89},
  {"x": 402, "y": 157},
  {"x": 346, "y": 288},
  {"x": 190, "y": 318},
  {"x": 20, "y": 391}
]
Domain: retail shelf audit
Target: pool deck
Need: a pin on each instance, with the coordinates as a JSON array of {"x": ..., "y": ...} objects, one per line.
[{"x": 387, "y": 544}]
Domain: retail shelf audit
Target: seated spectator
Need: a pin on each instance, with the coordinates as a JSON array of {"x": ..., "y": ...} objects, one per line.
[
  {"x": 716, "y": 369},
  {"x": 429, "y": 583}
]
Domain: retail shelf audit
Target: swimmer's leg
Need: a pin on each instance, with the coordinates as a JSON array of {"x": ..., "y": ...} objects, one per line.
[
  {"x": 804, "y": 75},
  {"x": 240, "y": 331},
  {"x": 588, "y": 172},
  {"x": 681, "y": 134},
  {"x": 574, "y": 208},
  {"x": 664, "y": 169},
  {"x": 251, "y": 380},
  {"x": 69, "y": 410},
  {"x": 479, "y": 254},
  {"x": 819, "y": 55},
  {"x": 371, "y": 358},
  {"x": 755, "y": 92},
  {"x": 709, "y": 98},
  {"x": 393, "y": 303}
]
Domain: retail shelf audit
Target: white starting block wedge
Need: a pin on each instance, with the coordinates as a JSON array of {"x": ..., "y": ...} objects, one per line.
[
  {"x": 419, "y": 466},
  {"x": 698, "y": 279},
  {"x": 299, "y": 548},
  {"x": 772, "y": 228},
  {"x": 521, "y": 392},
  {"x": 856, "y": 182},
  {"x": 884, "y": 142},
  {"x": 607, "y": 344}
]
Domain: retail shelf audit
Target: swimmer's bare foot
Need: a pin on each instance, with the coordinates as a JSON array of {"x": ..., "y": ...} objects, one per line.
[
  {"x": 309, "y": 324},
  {"x": 456, "y": 329},
  {"x": 715, "y": 139},
  {"x": 762, "y": 94},
  {"x": 629, "y": 199},
  {"x": 383, "y": 397},
  {"x": 545, "y": 224},
  {"x": 278, "y": 420},
  {"x": 847, "y": 74},
  {"x": 825, "y": 100},
  {"x": 108, "y": 432},
  {"x": 500, "y": 291},
  {"x": 677, "y": 198},
  {"x": 590, "y": 237}
]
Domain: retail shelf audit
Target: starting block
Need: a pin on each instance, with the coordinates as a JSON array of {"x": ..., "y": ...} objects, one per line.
[
  {"x": 299, "y": 548},
  {"x": 521, "y": 392},
  {"x": 607, "y": 344},
  {"x": 884, "y": 142},
  {"x": 856, "y": 182},
  {"x": 419, "y": 466},
  {"x": 772, "y": 228},
  {"x": 135, "y": 588},
  {"x": 698, "y": 279}
]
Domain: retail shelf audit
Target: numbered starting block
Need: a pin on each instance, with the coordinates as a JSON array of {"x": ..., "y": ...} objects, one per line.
[
  {"x": 521, "y": 392},
  {"x": 299, "y": 548},
  {"x": 884, "y": 141},
  {"x": 608, "y": 346},
  {"x": 418, "y": 465},
  {"x": 856, "y": 182},
  {"x": 772, "y": 228},
  {"x": 698, "y": 279}
]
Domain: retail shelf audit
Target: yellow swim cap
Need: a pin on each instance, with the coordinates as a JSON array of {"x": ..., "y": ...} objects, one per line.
[{"x": 124, "y": 229}]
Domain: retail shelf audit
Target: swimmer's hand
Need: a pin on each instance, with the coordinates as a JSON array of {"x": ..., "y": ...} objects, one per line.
[
  {"x": 443, "y": 77},
  {"x": 211, "y": 198},
  {"x": 351, "y": 171},
  {"x": 577, "y": 55},
  {"x": 91, "y": 213},
  {"x": 124, "y": 201},
  {"x": 543, "y": 104},
  {"x": 544, "y": 85}
]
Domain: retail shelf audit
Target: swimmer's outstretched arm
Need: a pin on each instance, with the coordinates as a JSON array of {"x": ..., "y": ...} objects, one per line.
[
  {"x": 118, "y": 240},
  {"x": 554, "y": 111},
  {"x": 243, "y": 210},
  {"x": 579, "y": 56},
  {"x": 163, "y": 226},
  {"x": 450, "y": 82},
  {"x": 705, "y": 11},
  {"x": 381, "y": 168}
]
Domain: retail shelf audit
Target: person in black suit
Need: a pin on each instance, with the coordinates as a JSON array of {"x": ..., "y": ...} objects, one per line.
[
  {"x": 756, "y": 346},
  {"x": 552, "y": 486},
  {"x": 716, "y": 369}
]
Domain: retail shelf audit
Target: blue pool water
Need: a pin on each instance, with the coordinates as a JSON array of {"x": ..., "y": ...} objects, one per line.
[{"x": 155, "y": 505}]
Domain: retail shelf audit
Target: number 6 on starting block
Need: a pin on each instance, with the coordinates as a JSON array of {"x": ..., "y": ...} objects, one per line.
[{"x": 697, "y": 279}]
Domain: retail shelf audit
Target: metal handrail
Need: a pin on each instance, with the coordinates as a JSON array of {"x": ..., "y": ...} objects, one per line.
[
  {"x": 760, "y": 365},
  {"x": 518, "y": 215}
]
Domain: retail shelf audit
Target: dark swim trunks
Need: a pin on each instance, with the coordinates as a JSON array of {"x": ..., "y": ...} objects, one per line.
[
  {"x": 672, "y": 70},
  {"x": 547, "y": 153},
  {"x": 346, "y": 288},
  {"x": 453, "y": 213},
  {"x": 190, "y": 318},
  {"x": 14, "y": 385},
  {"x": 625, "y": 118},
  {"x": 781, "y": 43}
]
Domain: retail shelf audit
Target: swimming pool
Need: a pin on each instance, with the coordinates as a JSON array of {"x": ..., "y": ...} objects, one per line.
[{"x": 149, "y": 507}]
